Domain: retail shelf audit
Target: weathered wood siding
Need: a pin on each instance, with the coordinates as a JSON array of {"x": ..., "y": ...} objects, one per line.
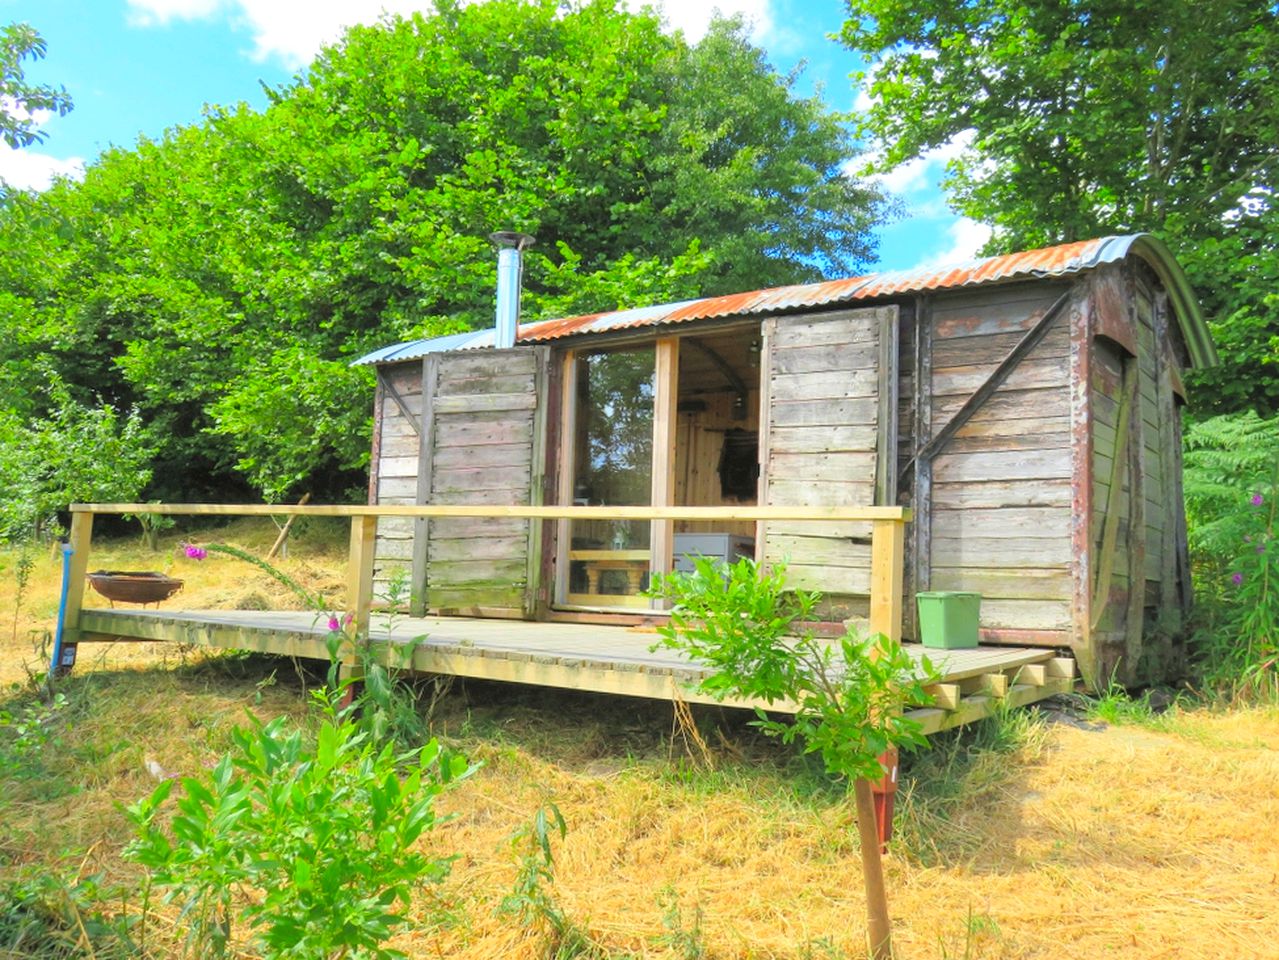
[
  {"x": 393, "y": 474},
  {"x": 1140, "y": 589},
  {"x": 486, "y": 431},
  {"x": 830, "y": 399},
  {"x": 1000, "y": 489}
]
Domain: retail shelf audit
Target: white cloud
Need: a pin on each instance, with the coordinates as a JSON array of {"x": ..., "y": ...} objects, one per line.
[
  {"x": 29, "y": 170},
  {"x": 921, "y": 176},
  {"x": 694, "y": 16},
  {"x": 966, "y": 238},
  {"x": 151, "y": 13},
  {"x": 293, "y": 31}
]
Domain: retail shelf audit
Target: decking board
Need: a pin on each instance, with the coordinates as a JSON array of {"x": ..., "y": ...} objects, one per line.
[{"x": 588, "y": 657}]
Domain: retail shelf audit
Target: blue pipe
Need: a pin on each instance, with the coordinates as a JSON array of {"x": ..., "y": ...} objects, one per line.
[{"x": 56, "y": 660}]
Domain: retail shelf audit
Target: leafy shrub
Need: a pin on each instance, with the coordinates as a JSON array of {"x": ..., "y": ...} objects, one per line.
[
  {"x": 322, "y": 834},
  {"x": 847, "y": 693},
  {"x": 75, "y": 453}
]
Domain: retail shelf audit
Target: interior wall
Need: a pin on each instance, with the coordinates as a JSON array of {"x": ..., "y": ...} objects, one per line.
[{"x": 699, "y": 440}]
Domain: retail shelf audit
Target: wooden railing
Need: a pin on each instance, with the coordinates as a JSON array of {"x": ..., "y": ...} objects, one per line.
[{"x": 887, "y": 539}]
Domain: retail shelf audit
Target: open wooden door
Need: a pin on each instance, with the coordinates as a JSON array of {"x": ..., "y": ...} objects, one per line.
[
  {"x": 829, "y": 438},
  {"x": 483, "y": 442}
]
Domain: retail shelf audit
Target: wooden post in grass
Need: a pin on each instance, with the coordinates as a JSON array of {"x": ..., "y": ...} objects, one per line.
[
  {"x": 887, "y": 555},
  {"x": 879, "y": 925}
]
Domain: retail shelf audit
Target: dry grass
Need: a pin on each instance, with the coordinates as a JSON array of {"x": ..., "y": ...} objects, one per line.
[{"x": 1063, "y": 842}]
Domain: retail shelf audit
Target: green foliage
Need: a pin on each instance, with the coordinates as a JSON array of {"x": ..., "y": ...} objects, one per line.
[
  {"x": 531, "y": 900},
  {"x": 322, "y": 833},
  {"x": 77, "y": 453},
  {"x": 1227, "y": 459},
  {"x": 220, "y": 279},
  {"x": 25, "y": 730},
  {"x": 1232, "y": 487},
  {"x": 19, "y": 99},
  {"x": 1077, "y": 119},
  {"x": 683, "y": 930},
  {"x": 47, "y": 916},
  {"x": 847, "y": 693}
]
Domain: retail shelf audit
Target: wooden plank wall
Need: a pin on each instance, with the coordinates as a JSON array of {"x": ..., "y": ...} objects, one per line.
[
  {"x": 1000, "y": 506},
  {"x": 485, "y": 423},
  {"x": 820, "y": 444},
  {"x": 699, "y": 440},
  {"x": 394, "y": 470}
]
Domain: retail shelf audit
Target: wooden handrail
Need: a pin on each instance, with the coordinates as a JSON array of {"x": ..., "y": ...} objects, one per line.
[
  {"x": 887, "y": 538},
  {"x": 551, "y": 512}
]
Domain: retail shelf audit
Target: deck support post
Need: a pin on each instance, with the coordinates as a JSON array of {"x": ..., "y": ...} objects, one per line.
[
  {"x": 79, "y": 541},
  {"x": 887, "y": 554},
  {"x": 359, "y": 572}
]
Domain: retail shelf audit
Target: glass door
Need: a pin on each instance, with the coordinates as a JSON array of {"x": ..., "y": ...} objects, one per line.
[{"x": 611, "y": 465}]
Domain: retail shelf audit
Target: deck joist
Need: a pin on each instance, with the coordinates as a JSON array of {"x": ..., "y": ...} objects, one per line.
[{"x": 588, "y": 657}]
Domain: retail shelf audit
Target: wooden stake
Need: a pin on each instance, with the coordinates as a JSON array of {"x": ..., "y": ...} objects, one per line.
[
  {"x": 879, "y": 926},
  {"x": 284, "y": 530}
]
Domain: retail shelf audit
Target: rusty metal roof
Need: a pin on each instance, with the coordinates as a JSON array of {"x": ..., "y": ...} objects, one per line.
[{"x": 1057, "y": 261}]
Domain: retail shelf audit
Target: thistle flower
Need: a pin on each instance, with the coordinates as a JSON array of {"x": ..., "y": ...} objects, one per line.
[
  {"x": 1236, "y": 578},
  {"x": 194, "y": 552},
  {"x": 1258, "y": 499}
]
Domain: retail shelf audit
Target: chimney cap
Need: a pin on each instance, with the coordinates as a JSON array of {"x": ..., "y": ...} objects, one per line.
[{"x": 513, "y": 238}]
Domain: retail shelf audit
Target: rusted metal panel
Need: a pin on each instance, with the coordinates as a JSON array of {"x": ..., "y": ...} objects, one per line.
[{"x": 1063, "y": 260}]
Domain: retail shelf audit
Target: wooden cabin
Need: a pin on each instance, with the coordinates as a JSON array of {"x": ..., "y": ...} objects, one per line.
[{"x": 1026, "y": 407}]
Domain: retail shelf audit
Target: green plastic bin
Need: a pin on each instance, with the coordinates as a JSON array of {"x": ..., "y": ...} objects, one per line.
[{"x": 948, "y": 619}]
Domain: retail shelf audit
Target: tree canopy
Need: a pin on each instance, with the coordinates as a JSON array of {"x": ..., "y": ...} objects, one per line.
[
  {"x": 220, "y": 279},
  {"x": 20, "y": 100},
  {"x": 1080, "y": 118}
]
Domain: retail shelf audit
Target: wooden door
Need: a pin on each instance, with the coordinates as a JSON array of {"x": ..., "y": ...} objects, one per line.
[
  {"x": 829, "y": 433},
  {"x": 483, "y": 442}
]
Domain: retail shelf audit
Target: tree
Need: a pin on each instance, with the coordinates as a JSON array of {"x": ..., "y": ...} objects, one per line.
[
  {"x": 845, "y": 695},
  {"x": 221, "y": 278},
  {"x": 19, "y": 100},
  {"x": 1086, "y": 117}
]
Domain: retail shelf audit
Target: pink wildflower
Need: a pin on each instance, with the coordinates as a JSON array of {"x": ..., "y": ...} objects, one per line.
[
  {"x": 334, "y": 626},
  {"x": 1257, "y": 500},
  {"x": 196, "y": 553},
  {"x": 1236, "y": 579}
]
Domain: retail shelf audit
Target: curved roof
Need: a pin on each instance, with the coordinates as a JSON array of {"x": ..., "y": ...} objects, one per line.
[{"x": 1063, "y": 260}]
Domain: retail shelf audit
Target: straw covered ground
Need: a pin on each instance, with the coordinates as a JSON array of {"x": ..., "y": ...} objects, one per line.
[{"x": 1039, "y": 835}]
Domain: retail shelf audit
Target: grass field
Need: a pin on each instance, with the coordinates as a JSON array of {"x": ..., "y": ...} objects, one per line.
[{"x": 1034, "y": 835}]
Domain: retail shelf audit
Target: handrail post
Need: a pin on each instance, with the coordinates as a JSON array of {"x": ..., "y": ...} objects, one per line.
[
  {"x": 359, "y": 572},
  {"x": 887, "y": 554},
  {"x": 78, "y": 540}
]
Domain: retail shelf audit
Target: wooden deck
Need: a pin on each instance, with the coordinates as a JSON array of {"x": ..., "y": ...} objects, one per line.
[{"x": 599, "y": 659}]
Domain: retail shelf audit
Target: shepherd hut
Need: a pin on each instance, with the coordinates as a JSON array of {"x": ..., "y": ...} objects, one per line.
[{"x": 1026, "y": 407}]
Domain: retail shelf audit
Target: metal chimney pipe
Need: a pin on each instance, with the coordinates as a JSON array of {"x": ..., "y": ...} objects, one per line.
[{"x": 510, "y": 275}]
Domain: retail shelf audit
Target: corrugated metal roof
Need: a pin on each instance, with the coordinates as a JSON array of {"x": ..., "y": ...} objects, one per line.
[{"x": 1057, "y": 261}]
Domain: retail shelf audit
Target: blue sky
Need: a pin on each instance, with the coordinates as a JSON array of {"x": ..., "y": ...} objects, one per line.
[{"x": 138, "y": 67}]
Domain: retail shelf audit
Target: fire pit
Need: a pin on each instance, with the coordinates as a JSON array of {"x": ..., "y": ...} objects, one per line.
[{"x": 128, "y": 586}]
